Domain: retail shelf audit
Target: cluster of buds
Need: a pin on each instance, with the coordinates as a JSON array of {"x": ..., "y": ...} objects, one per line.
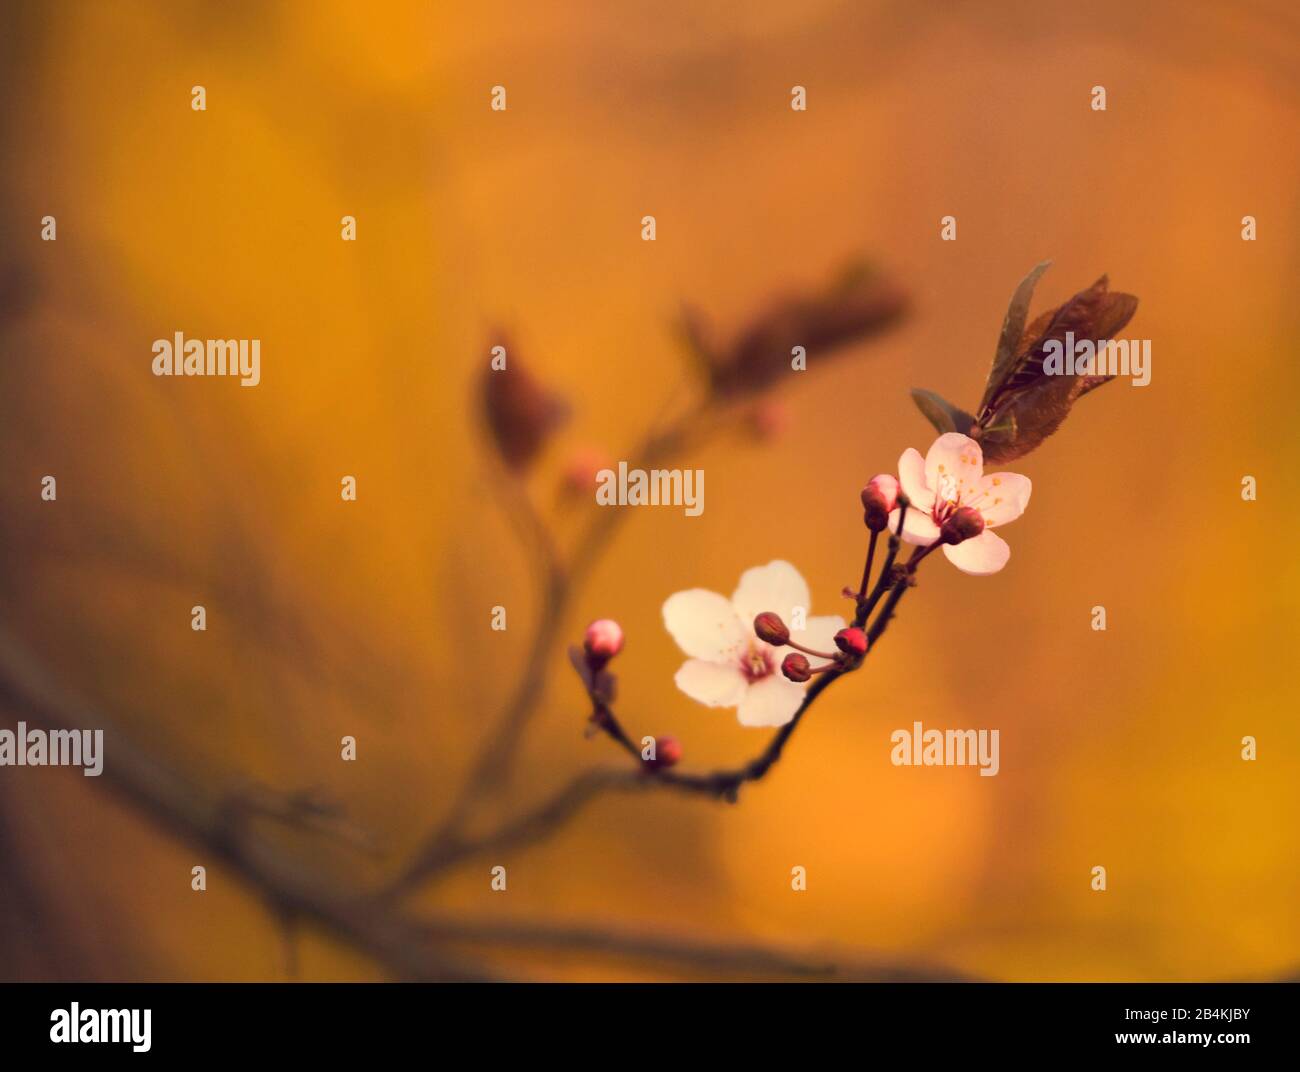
[{"x": 770, "y": 629}]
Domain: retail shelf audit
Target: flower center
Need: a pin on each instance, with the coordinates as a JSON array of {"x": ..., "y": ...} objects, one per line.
[
  {"x": 757, "y": 662},
  {"x": 946, "y": 500}
]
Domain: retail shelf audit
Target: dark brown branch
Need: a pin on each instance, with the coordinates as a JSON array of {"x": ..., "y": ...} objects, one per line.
[{"x": 723, "y": 783}]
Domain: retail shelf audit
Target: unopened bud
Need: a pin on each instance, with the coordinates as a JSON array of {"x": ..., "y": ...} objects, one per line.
[
  {"x": 769, "y": 628},
  {"x": 603, "y": 640},
  {"x": 668, "y": 753},
  {"x": 796, "y": 667},
  {"x": 966, "y": 523},
  {"x": 851, "y": 641},
  {"x": 879, "y": 498}
]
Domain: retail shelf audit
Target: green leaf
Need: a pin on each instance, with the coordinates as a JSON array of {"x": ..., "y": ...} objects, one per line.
[
  {"x": 1013, "y": 327},
  {"x": 941, "y": 413}
]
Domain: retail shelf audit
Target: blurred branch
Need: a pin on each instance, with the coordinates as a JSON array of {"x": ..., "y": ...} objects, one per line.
[
  {"x": 226, "y": 826},
  {"x": 220, "y": 825},
  {"x": 532, "y": 826},
  {"x": 409, "y": 946},
  {"x": 559, "y": 584},
  {"x": 685, "y": 953},
  {"x": 307, "y": 810}
]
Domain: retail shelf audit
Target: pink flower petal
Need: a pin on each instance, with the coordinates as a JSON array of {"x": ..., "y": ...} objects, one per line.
[
  {"x": 911, "y": 476},
  {"x": 770, "y": 702},
  {"x": 819, "y": 634},
  {"x": 918, "y": 527},
  {"x": 704, "y": 624},
  {"x": 985, "y": 554},
  {"x": 714, "y": 684},
  {"x": 954, "y": 466},
  {"x": 777, "y": 586},
  {"x": 1003, "y": 498}
]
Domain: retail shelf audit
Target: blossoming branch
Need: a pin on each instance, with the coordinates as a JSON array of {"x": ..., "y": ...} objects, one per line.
[
  {"x": 753, "y": 651},
  {"x": 759, "y": 651}
]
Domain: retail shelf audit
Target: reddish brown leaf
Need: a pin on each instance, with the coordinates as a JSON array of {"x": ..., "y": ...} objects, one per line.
[
  {"x": 857, "y": 305},
  {"x": 519, "y": 412}
]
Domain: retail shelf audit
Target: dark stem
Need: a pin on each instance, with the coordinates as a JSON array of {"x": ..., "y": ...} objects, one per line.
[
  {"x": 866, "y": 570},
  {"x": 884, "y": 580},
  {"x": 919, "y": 554},
  {"x": 724, "y": 783}
]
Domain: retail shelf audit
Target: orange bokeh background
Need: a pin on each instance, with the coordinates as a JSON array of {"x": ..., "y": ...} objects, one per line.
[{"x": 1119, "y": 748}]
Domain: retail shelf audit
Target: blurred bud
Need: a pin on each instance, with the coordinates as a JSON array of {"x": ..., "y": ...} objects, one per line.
[
  {"x": 668, "y": 753},
  {"x": 521, "y": 414},
  {"x": 767, "y": 420},
  {"x": 860, "y": 303},
  {"x": 965, "y": 523},
  {"x": 581, "y": 471},
  {"x": 796, "y": 667},
  {"x": 603, "y": 640},
  {"x": 769, "y": 628},
  {"x": 851, "y": 641},
  {"x": 879, "y": 498}
]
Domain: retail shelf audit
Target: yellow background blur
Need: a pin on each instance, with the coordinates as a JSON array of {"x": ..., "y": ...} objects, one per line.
[{"x": 1118, "y": 749}]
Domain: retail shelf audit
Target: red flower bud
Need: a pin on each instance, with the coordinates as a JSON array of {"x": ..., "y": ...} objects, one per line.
[
  {"x": 851, "y": 641},
  {"x": 879, "y": 498},
  {"x": 603, "y": 640},
  {"x": 796, "y": 667},
  {"x": 965, "y": 524},
  {"x": 769, "y": 628},
  {"x": 668, "y": 753}
]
